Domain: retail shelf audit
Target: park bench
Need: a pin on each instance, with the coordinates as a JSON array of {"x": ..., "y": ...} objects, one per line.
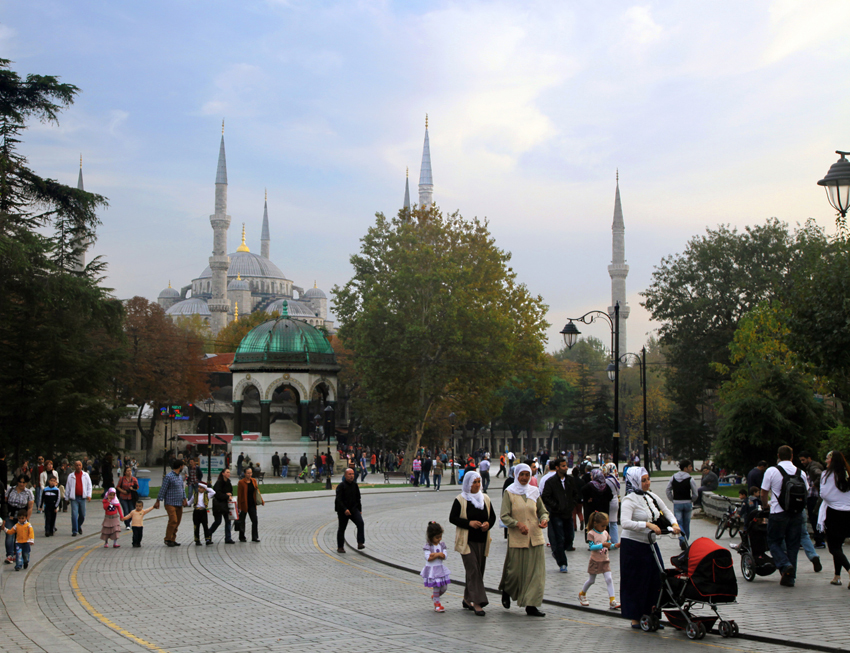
[
  {"x": 396, "y": 476},
  {"x": 260, "y": 476}
]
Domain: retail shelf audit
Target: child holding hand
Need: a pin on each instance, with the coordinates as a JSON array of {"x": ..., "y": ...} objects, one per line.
[
  {"x": 599, "y": 542},
  {"x": 112, "y": 518},
  {"x": 137, "y": 522}
]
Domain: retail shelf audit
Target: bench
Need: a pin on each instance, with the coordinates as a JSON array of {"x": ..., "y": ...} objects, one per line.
[
  {"x": 397, "y": 476},
  {"x": 260, "y": 476}
]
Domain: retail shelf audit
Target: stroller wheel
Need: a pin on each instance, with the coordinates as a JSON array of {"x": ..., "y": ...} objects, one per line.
[
  {"x": 701, "y": 629},
  {"x": 734, "y": 628},
  {"x": 725, "y": 629},
  {"x": 748, "y": 567},
  {"x": 692, "y": 631},
  {"x": 646, "y": 623},
  {"x": 655, "y": 622}
]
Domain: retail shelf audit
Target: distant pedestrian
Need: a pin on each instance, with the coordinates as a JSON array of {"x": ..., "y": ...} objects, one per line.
[
  {"x": 435, "y": 573},
  {"x": 201, "y": 503},
  {"x": 284, "y": 465},
  {"x": 106, "y": 480},
  {"x": 275, "y": 464},
  {"x": 248, "y": 497},
  {"x": 23, "y": 534},
  {"x": 128, "y": 492},
  {"x": 426, "y": 470},
  {"x": 221, "y": 505},
  {"x": 137, "y": 522},
  {"x": 438, "y": 466},
  {"x": 682, "y": 491},
  {"x": 484, "y": 470},
  {"x": 349, "y": 508},
  {"x": 112, "y": 517},
  {"x": 50, "y": 504},
  {"x": 239, "y": 462},
  {"x": 417, "y": 470},
  {"x": 173, "y": 496},
  {"x": 502, "y": 469}
]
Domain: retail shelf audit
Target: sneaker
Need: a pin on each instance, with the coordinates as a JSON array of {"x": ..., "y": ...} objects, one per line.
[
  {"x": 613, "y": 604},
  {"x": 820, "y": 545},
  {"x": 439, "y": 608},
  {"x": 816, "y": 564},
  {"x": 582, "y": 599},
  {"x": 116, "y": 546},
  {"x": 563, "y": 569},
  {"x": 208, "y": 541},
  {"x": 129, "y": 528}
]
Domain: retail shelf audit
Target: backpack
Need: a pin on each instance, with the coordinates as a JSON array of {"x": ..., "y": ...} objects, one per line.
[{"x": 793, "y": 494}]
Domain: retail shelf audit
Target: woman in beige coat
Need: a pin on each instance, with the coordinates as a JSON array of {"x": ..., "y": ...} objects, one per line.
[{"x": 524, "y": 572}]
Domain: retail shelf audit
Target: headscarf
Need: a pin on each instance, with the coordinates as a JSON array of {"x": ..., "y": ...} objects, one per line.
[
  {"x": 527, "y": 490},
  {"x": 610, "y": 470},
  {"x": 597, "y": 478},
  {"x": 476, "y": 499},
  {"x": 110, "y": 499},
  {"x": 633, "y": 476}
]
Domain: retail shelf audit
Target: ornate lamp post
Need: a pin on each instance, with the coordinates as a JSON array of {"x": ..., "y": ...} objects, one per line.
[
  {"x": 837, "y": 185},
  {"x": 317, "y": 420},
  {"x": 209, "y": 404},
  {"x": 571, "y": 334},
  {"x": 641, "y": 359},
  {"x": 452, "y": 420}
]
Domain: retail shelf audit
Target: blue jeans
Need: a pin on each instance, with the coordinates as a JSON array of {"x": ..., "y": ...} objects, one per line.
[
  {"x": 783, "y": 538},
  {"x": 38, "y": 491},
  {"x": 683, "y": 512},
  {"x": 284, "y": 471},
  {"x": 806, "y": 543},
  {"x": 10, "y": 539},
  {"x": 437, "y": 479},
  {"x": 127, "y": 507},
  {"x": 426, "y": 478},
  {"x": 78, "y": 514},
  {"x": 363, "y": 473},
  {"x": 485, "y": 481},
  {"x": 560, "y": 531},
  {"x": 22, "y": 555}
]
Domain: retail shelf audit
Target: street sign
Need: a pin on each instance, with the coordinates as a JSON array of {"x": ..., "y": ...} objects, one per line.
[{"x": 217, "y": 465}]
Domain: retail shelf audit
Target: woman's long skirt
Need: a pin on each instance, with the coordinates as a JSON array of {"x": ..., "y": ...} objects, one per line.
[
  {"x": 474, "y": 563},
  {"x": 524, "y": 576},
  {"x": 640, "y": 578}
]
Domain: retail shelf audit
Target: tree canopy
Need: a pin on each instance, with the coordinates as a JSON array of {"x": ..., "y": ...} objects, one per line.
[{"x": 435, "y": 319}]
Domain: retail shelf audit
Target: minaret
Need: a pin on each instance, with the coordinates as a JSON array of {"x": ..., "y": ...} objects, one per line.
[
  {"x": 219, "y": 261},
  {"x": 407, "y": 190},
  {"x": 265, "y": 238},
  {"x": 618, "y": 270},
  {"x": 80, "y": 263},
  {"x": 426, "y": 183}
]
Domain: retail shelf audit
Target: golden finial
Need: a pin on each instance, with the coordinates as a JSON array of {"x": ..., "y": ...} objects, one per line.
[
  {"x": 407, "y": 172},
  {"x": 315, "y": 285},
  {"x": 222, "y": 126},
  {"x": 267, "y": 194},
  {"x": 618, "y": 175},
  {"x": 238, "y": 277},
  {"x": 81, "y": 160},
  {"x": 426, "y": 121},
  {"x": 236, "y": 312},
  {"x": 243, "y": 247},
  {"x": 169, "y": 283}
]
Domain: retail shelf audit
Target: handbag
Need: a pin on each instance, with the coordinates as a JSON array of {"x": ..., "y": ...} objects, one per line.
[{"x": 662, "y": 522}]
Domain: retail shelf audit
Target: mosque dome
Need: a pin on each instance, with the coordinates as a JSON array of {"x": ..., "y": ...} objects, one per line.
[
  {"x": 284, "y": 341},
  {"x": 314, "y": 293},
  {"x": 238, "y": 284},
  {"x": 191, "y": 306},
  {"x": 169, "y": 293},
  {"x": 294, "y": 308},
  {"x": 248, "y": 264}
]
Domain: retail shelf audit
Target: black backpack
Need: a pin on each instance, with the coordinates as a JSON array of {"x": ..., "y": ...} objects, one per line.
[{"x": 793, "y": 494}]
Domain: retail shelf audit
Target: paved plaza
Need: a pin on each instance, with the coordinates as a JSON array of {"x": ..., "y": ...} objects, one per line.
[{"x": 293, "y": 591}]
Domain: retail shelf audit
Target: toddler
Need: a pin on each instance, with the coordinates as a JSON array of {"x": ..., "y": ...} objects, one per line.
[
  {"x": 24, "y": 539},
  {"x": 49, "y": 504},
  {"x": 137, "y": 518},
  {"x": 599, "y": 542},
  {"x": 111, "y": 528},
  {"x": 435, "y": 573}
]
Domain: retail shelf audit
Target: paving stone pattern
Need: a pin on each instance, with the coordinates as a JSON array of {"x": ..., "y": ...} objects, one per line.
[{"x": 293, "y": 591}]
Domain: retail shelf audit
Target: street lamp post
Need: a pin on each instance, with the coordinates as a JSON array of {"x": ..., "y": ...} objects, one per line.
[
  {"x": 329, "y": 428},
  {"x": 452, "y": 419},
  {"x": 837, "y": 185},
  {"x": 318, "y": 421},
  {"x": 571, "y": 334},
  {"x": 209, "y": 404},
  {"x": 641, "y": 359}
]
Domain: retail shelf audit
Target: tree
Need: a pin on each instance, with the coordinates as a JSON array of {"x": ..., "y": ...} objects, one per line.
[
  {"x": 199, "y": 328},
  {"x": 60, "y": 332},
  {"x": 435, "y": 317},
  {"x": 229, "y": 337},
  {"x": 699, "y": 297},
  {"x": 163, "y": 366}
]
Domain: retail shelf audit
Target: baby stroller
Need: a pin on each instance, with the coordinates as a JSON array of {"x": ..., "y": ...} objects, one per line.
[
  {"x": 755, "y": 560},
  {"x": 702, "y": 576}
]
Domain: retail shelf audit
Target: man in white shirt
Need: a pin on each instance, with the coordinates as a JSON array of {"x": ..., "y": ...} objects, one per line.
[
  {"x": 484, "y": 470},
  {"x": 511, "y": 459},
  {"x": 783, "y": 529}
]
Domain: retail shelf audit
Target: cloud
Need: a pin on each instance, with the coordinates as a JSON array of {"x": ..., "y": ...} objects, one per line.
[
  {"x": 239, "y": 92},
  {"x": 642, "y": 28}
]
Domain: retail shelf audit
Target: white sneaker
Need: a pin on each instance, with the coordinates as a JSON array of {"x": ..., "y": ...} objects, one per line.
[{"x": 582, "y": 599}]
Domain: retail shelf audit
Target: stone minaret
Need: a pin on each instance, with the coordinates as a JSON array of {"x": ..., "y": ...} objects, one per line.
[
  {"x": 265, "y": 238},
  {"x": 407, "y": 190},
  {"x": 219, "y": 261},
  {"x": 618, "y": 270},
  {"x": 426, "y": 183},
  {"x": 80, "y": 263}
]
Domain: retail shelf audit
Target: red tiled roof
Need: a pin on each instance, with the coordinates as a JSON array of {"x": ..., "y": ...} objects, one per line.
[{"x": 218, "y": 363}]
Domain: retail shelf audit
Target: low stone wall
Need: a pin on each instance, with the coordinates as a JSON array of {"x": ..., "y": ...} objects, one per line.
[{"x": 715, "y": 505}]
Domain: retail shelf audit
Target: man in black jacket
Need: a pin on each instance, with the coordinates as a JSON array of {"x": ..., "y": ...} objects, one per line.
[
  {"x": 348, "y": 507},
  {"x": 275, "y": 464},
  {"x": 560, "y": 496}
]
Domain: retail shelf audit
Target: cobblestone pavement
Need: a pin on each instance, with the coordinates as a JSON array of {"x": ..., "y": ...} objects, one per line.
[{"x": 293, "y": 591}]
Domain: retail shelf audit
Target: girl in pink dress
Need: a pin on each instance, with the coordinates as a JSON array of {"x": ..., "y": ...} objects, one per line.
[
  {"x": 435, "y": 574},
  {"x": 111, "y": 528}
]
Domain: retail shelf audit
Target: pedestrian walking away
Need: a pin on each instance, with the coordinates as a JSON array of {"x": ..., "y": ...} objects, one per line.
[
  {"x": 473, "y": 517},
  {"x": 172, "y": 494},
  {"x": 435, "y": 574},
  {"x": 248, "y": 497},
  {"x": 349, "y": 508},
  {"x": 524, "y": 571},
  {"x": 682, "y": 491}
]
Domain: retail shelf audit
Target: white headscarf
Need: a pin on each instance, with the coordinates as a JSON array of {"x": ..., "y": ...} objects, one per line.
[
  {"x": 634, "y": 475},
  {"x": 476, "y": 499},
  {"x": 527, "y": 490}
]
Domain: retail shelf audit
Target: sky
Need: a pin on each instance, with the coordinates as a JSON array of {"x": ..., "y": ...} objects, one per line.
[{"x": 713, "y": 113}]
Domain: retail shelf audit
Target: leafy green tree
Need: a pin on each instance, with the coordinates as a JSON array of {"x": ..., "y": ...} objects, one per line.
[
  {"x": 435, "y": 319},
  {"x": 588, "y": 351},
  {"x": 229, "y": 337},
  {"x": 60, "y": 331}
]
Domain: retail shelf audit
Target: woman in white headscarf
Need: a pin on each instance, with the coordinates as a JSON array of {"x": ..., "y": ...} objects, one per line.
[
  {"x": 524, "y": 572},
  {"x": 639, "y": 578},
  {"x": 473, "y": 517}
]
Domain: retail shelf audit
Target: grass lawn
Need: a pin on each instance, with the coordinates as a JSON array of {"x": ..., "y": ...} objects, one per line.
[
  {"x": 730, "y": 490},
  {"x": 277, "y": 488}
]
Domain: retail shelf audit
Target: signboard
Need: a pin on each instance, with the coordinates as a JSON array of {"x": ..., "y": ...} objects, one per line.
[{"x": 217, "y": 465}]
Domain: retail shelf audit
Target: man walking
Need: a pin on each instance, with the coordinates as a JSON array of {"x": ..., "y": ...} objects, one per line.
[
  {"x": 502, "y": 469},
  {"x": 785, "y": 487},
  {"x": 682, "y": 491},
  {"x": 426, "y": 470},
  {"x": 284, "y": 465},
  {"x": 813, "y": 471},
  {"x": 239, "y": 461},
  {"x": 172, "y": 495},
  {"x": 484, "y": 471},
  {"x": 348, "y": 508},
  {"x": 77, "y": 492},
  {"x": 275, "y": 464},
  {"x": 560, "y": 496}
]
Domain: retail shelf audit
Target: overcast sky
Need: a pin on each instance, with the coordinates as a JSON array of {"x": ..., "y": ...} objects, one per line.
[{"x": 720, "y": 112}]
